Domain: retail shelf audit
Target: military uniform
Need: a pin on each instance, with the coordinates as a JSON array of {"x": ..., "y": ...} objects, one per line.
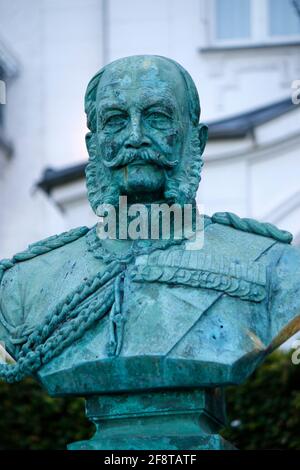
[{"x": 202, "y": 318}]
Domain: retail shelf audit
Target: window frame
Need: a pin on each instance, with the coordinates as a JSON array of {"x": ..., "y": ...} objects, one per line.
[
  {"x": 2, "y": 105},
  {"x": 259, "y": 28}
]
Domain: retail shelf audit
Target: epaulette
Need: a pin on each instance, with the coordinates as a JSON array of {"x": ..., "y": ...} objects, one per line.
[
  {"x": 43, "y": 246},
  {"x": 253, "y": 226}
]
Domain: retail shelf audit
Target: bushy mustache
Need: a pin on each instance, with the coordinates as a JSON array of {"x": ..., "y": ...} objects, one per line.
[{"x": 127, "y": 156}]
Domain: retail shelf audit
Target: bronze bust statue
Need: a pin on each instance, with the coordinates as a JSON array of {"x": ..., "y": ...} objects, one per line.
[{"x": 147, "y": 330}]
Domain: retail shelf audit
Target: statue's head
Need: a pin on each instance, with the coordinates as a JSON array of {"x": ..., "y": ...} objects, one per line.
[{"x": 145, "y": 140}]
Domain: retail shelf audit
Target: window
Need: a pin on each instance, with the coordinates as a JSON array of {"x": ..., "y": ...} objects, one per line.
[
  {"x": 232, "y": 19},
  {"x": 284, "y": 17},
  {"x": 253, "y": 22}
]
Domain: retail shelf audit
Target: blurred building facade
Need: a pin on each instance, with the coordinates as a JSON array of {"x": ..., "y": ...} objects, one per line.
[{"x": 242, "y": 54}]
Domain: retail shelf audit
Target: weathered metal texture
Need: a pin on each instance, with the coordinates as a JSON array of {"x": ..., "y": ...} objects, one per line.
[
  {"x": 175, "y": 420},
  {"x": 148, "y": 331}
]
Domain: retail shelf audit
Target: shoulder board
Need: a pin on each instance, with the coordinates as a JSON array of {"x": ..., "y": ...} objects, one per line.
[
  {"x": 43, "y": 246},
  {"x": 252, "y": 226}
]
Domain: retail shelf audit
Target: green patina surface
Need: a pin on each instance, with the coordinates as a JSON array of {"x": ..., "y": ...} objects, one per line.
[{"x": 150, "y": 332}]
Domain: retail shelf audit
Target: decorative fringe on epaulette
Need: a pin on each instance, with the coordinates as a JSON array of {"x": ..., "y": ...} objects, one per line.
[
  {"x": 42, "y": 247},
  {"x": 252, "y": 226}
]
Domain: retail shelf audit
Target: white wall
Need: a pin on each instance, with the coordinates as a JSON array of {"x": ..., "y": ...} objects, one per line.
[
  {"x": 228, "y": 82},
  {"x": 59, "y": 46},
  {"x": 260, "y": 177}
]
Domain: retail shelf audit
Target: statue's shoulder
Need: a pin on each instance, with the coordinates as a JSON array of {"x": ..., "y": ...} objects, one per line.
[
  {"x": 252, "y": 226},
  {"x": 42, "y": 248}
]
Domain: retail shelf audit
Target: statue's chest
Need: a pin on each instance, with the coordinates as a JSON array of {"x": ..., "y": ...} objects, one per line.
[
  {"x": 197, "y": 323},
  {"x": 173, "y": 336},
  {"x": 183, "y": 320}
]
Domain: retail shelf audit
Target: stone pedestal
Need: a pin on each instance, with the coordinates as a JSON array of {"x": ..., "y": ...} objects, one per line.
[{"x": 158, "y": 420}]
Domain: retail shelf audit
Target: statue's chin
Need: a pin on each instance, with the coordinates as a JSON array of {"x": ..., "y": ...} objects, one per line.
[{"x": 141, "y": 182}]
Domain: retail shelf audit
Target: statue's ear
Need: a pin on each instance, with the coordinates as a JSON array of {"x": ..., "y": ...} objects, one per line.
[{"x": 203, "y": 135}]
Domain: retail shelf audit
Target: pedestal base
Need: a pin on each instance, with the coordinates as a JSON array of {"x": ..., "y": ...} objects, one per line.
[{"x": 163, "y": 420}]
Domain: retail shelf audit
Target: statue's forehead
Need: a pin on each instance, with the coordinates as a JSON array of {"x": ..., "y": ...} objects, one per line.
[{"x": 141, "y": 75}]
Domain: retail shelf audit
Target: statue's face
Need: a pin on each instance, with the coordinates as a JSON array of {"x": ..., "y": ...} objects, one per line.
[{"x": 142, "y": 117}]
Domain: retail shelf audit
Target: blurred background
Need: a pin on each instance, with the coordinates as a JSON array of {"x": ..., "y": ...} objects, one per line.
[{"x": 243, "y": 55}]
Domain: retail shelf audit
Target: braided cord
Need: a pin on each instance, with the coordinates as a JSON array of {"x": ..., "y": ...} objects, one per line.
[
  {"x": 117, "y": 319},
  {"x": 78, "y": 326},
  {"x": 69, "y": 333},
  {"x": 64, "y": 324},
  {"x": 63, "y": 310},
  {"x": 62, "y": 328},
  {"x": 252, "y": 226}
]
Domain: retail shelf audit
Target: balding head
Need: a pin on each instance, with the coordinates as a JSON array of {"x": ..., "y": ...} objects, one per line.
[{"x": 148, "y": 67}]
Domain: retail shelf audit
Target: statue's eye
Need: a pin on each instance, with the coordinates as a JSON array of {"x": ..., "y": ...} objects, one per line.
[
  {"x": 159, "y": 120},
  {"x": 115, "y": 122}
]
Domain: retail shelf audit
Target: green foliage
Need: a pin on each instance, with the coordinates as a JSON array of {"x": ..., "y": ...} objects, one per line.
[
  {"x": 30, "y": 419},
  {"x": 267, "y": 406}
]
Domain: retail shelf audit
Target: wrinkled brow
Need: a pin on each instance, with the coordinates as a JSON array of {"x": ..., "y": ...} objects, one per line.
[
  {"x": 109, "y": 104},
  {"x": 165, "y": 102}
]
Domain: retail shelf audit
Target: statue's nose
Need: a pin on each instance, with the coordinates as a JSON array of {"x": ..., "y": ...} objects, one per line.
[{"x": 137, "y": 137}]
